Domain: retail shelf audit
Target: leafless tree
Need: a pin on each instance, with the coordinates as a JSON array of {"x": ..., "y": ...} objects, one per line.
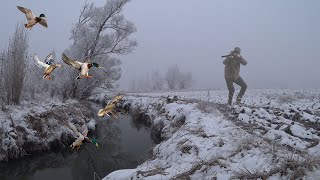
[
  {"x": 172, "y": 76},
  {"x": 99, "y": 34},
  {"x": 178, "y": 80},
  {"x": 185, "y": 80},
  {"x": 156, "y": 80},
  {"x": 13, "y": 67},
  {"x": 133, "y": 86}
]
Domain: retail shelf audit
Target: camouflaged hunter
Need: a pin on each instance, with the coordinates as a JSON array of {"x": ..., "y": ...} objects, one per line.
[{"x": 231, "y": 73}]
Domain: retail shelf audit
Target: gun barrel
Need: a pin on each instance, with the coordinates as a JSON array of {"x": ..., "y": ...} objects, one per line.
[{"x": 226, "y": 56}]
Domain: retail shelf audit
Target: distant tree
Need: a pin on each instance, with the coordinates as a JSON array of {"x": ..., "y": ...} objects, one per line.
[
  {"x": 156, "y": 80},
  {"x": 2, "y": 88},
  {"x": 99, "y": 33},
  {"x": 133, "y": 85},
  {"x": 185, "y": 80},
  {"x": 176, "y": 79},
  {"x": 13, "y": 67},
  {"x": 172, "y": 76}
]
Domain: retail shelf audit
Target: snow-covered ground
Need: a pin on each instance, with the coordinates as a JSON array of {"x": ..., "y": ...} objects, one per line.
[
  {"x": 41, "y": 125},
  {"x": 274, "y": 134}
]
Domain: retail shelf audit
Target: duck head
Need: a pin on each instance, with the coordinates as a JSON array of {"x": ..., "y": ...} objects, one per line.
[
  {"x": 95, "y": 143},
  {"x": 96, "y": 65},
  {"x": 42, "y": 15}
]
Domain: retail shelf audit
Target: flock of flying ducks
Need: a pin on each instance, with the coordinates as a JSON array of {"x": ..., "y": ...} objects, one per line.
[
  {"x": 83, "y": 67},
  {"x": 110, "y": 109}
]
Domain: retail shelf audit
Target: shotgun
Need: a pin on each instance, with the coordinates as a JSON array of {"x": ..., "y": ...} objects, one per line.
[{"x": 226, "y": 55}]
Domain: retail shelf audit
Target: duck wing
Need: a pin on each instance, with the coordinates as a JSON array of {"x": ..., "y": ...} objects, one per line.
[
  {"x": 75, "y": 64},
  {"x": 73, "y": 128},
  {"x": 107, "y": 109},
  {"x": 43, "y": 22},
  {"x": 49, "y": 59},
  {"x": 27, "y": 12},
  {"x": 39, "y": 63},
  {"x": 84, "y": 130},
  {"x": 102, "y": 112}
]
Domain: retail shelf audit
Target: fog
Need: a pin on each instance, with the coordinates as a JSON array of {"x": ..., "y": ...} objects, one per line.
[{"x": 279, "y": 39}]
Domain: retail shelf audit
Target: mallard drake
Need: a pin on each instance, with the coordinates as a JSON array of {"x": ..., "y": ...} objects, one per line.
[
  {"x": 111, "y": 108},
  {"x": 116, "y": 99},
  {"x": 49, "y": 67},
  {"x": 82, "y": 67},
  {"x": 83, "y": 136},
  {"x": 32, "y": 19}
]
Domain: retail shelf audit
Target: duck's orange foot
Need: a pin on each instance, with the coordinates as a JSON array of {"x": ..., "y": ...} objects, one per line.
[
  {"x": 88, "y": 76},
  {"x": 48, "y": 77}
]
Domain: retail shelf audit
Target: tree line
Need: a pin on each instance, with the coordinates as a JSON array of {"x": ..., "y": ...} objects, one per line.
[{"x": 172, "y": 79}]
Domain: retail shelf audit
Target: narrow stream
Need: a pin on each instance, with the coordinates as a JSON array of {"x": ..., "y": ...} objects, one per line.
[{"x": 123, "y": 143}]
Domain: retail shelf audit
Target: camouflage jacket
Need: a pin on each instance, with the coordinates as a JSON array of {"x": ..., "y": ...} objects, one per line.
[{"x": 232, "y": 67}]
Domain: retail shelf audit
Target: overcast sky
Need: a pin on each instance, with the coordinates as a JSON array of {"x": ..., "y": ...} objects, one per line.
[{"x": 279, "y": 39}]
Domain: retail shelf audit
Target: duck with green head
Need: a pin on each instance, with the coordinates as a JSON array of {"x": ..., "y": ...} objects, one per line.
[
  {"x": 32, "y": 19},
  {"x": 82, "y": 67},
  {"x": 81, "y": 137}
]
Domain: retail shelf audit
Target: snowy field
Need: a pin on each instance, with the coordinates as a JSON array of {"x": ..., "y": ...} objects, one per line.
[{"x": 274, "y": 134}]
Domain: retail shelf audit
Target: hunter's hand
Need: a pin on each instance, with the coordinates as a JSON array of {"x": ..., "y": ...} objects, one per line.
[{"x": 237, "y": 56}]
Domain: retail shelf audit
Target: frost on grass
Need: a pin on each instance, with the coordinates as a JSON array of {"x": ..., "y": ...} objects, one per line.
[
  {"x": 27, "y": 128},
  {"x": 272, "y": 135}
]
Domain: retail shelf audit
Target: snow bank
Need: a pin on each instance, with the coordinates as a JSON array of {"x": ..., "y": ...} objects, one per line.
[
  {"x": 266, "y": 137},
  {"x": 39, "y": 126}
]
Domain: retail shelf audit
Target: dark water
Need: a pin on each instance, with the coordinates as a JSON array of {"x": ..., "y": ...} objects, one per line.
[{"x": 123, "y": 143}]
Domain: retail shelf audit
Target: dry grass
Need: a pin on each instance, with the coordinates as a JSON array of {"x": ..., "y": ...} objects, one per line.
[
  {"x": 198, "y": 166},
  {"x": 286, "y": 98},
  {"x": 152, "y": 172},
  {"x": 293, "y": 166},
  {"x": 178, "y": 121},
  {"x": 187, "y": 149},
  {"x": 246, "y": 174},
  {"x": 206, "y": 107}
]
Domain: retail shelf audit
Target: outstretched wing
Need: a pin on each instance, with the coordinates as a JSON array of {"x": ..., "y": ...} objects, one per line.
[
  {"x": 103, "y": 112},
  {"x": 39, "y": 63},
  {"x": 116, "y": 99},
  {"x": 27, "y": 12},
  {"x": 71, "y": 62},
  {"x": 73, "y": 128},
  {"x": 43, "y": 22},
  {"x": 49, "y": 59},
  {"x": 108, "y": 109},
  {"x": 85, "y": 131}
]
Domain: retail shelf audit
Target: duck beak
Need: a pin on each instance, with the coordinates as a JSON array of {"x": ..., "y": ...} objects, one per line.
[{"x": 97, "y": 145}]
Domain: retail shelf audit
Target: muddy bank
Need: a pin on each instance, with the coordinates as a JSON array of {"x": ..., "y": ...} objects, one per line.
[{"x": 30, "y": 128}]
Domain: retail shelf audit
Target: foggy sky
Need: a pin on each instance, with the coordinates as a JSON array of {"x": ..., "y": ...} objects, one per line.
[{"x": 279, "y": 39}]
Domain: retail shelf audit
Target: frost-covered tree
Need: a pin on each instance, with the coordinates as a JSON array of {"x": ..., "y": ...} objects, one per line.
[
  {"x": 178, "y": 80},
  {"x": 185, "y": 80},
  {"x": 172, "y": 76},
  {"x": 156, "y": 80},
  {"x": 100, "y": 34},
  {"x": 13, "y": 67}
]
